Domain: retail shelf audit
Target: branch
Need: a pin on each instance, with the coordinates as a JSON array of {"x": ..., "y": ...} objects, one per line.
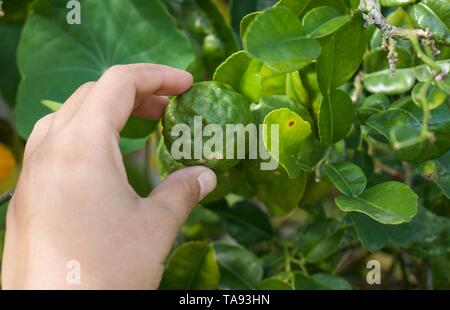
[
  {"x": 1, "y": 9},
  {"x": 372, "y": 15},
  {"x": 6, "y": 197}
]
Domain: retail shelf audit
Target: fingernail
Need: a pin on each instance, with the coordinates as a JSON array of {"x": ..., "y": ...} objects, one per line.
[{"x": 207, "y": 181}]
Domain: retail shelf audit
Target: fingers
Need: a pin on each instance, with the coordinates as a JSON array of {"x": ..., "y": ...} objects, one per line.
[
  {"x": 123, "y": 88},
  {"x": 173, "y": 200},
  {"x": 39, "y": 132},
  {"x": 151, "y": 107},
  {"x": 71, "y": 106}
]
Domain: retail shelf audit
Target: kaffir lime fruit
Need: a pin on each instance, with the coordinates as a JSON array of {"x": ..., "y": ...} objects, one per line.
[{"x": 217, "y": 104}]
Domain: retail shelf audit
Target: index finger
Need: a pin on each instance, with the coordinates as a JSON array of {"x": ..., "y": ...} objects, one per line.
[{"x": 119, "y": 91}]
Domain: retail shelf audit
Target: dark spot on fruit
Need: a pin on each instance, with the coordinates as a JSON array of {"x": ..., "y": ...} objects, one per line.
[{"x": 291, "y": 123}]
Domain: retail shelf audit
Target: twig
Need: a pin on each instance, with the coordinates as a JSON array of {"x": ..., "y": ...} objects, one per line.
[
  {"x": 6, "y": 197},
  {"x": 372, "y": 15},
  {"x": 380, "y": 167},
  {"x": 356, "y": 94}
]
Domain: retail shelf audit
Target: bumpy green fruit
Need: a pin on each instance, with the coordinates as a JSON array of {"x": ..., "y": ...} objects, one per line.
[{"x": 216, "y": 103}]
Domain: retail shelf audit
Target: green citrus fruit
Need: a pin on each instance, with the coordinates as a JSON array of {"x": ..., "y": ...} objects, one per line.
[{"x": 206, "y": 103}]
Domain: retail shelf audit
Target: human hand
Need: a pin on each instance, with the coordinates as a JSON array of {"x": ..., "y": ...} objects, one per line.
[{"x": 73, "y": 201}]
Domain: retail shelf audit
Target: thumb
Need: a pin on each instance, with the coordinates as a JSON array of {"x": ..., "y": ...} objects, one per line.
[{"x": 180, "y": 192}]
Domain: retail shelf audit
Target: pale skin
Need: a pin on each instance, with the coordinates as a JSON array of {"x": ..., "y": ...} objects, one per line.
[{"x": 73, "y": 201}]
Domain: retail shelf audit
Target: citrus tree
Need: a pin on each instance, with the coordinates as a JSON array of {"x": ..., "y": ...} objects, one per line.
[{"x": 359, "y": 90}]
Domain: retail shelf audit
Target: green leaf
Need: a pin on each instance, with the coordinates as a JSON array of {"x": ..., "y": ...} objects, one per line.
[
  {"x": 192, "y": 266},
  {"x": 321, "y": 281},
  {"x": 268, "y": 104},
  {"x": 246, "y": 21},
  {"x": 323, "y": 21},
  {"x": 296, "y": 90},
  {"x": 245, "y": 222},
  {"x": 336, "y": 116},
  {"x": 372, "y": 105},
  {"x": 341, "y": 55},
  {"x": 348, "y": 178},
  {"x": 293, "y": 130},
  {"x": 242, "y": 73},
  {"x": 438, "y": 171},
  {"x": 297, "y": 6},
  {"x": 427, "y": 94},
  {"x": 276, "y": 38},
  {"x": 52, "y": 105},
  {"x": 112, "y": 32},
  {"x": 279, "y": 193},
  {"x": 402, "y": 125},
  {"x": 396, "y": 2},
  {"x": 385, "y": 82},
  {"x": 239, "y": 268},
  {"x": 9, "y": 74},
  {"x": 319, "y": 240},
  {"x": 434, "y": 15},
  {"x": 273, "y": 284},
  {"x": 377, "y": 59},
  {"x": 374, "y": 235},
  {"x": 388, "y": 203}
]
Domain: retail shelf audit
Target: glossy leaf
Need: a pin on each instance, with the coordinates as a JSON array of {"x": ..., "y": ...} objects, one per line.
[
  {"x": 336, "y": 116},
  {"x": 239, "y": 268},
  {"x": 385, "y": 82},
  {"x": 276, "y": 37},
  {"x": 104, "y": 38},
  {"x": 434, "y": 15},
  {"x": 374, "y": 235},
  {"x": 341, "y": 55},
  {"x": 401, "y": 125},
  {"x": 427, "y": 94},
  {"x": 372, "y": 105},
  {"x": 295, "y": 89},
  {"x": 191, "y": 266},
  {"x": 245, "y": 222},
  {"x": 293, "y": 130},
  {"x": 348, "y": 178},
  {"x": 297, "y": 6},
  {"x": 388, "y": 203},
  {"x": 319, "y": 240},
  {"x": 246, "y": 21},
  {"x": 242, "y": 73},
  {"x": 279, "y": 193},
  {"x": 270, "y": 103},
  {"x": 323, "y": 21}
]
